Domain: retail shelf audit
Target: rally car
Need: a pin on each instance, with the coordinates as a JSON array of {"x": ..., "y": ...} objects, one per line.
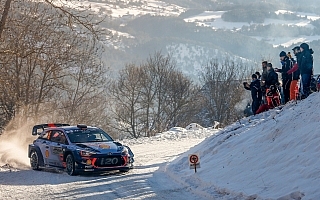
[{"x": 77, "y": 149}]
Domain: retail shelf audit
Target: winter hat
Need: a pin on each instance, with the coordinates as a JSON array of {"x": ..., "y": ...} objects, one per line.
[
  {"x": 254, "y": 76},
  {"x": 282, "y": 53},
  {"x": 269, "y": 65},
  {"x": 295, "y": 48},
  {"x": 305, "y": 46}
]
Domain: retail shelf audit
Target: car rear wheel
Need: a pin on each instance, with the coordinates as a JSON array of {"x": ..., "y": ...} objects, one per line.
[
  {"x": 34, "y": 160},
  {"x": 71, "y": 167}
]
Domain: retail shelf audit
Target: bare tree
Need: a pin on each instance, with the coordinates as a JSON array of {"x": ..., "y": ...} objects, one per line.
[
  {"x": 47, "y": 61},
  {"x": 222, "y": 89},
  {"x": 151, "y": 98},
  {"x": 160, "y": 67},
  {"x": 126, "y": 94},
  {"x": 179, "y": 97},
  {"x": 75, "y": 14}
]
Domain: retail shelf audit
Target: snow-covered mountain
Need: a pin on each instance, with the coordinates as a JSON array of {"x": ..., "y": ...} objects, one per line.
[{"x": 132, "y": 42}]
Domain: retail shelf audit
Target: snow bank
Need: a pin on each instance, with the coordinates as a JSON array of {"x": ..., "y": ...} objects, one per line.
[
  {"x": 268, "y": 156},
  {"x": 176, "y": 134}
]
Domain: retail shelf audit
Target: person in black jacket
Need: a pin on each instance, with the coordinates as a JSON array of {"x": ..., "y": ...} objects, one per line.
[
  {"x": 305, "y": 64},
  {"x": 272, "y": 77},
  {"x": 256, "y": 94},
  {"x": 286, "y": 78},
  {"x": 263, "y": 79},
  {"x": 264, "y": 70},
  {"x": 272, "y": 93}
]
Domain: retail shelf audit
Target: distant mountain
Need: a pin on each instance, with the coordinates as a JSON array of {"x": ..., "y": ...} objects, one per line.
[{"x": 194, "y": 32}]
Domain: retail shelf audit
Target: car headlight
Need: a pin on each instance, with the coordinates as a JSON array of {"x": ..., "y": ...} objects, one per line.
[
  {"x": 86, "y": 153},
  {"x": 124, "y": 151}
]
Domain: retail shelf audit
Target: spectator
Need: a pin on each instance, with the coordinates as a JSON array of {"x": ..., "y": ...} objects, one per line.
[
  {"x": 256, "y": 94},
  {"x": 264, "y": 70},
  {"x": 272, "y": 93},
  {"x": 305, "y": 64},
  {"x": 263, "y": 79},
  {"x": 258, "y": 75},
  {"x": 286, "y": 79},
  {"x": 318, "y": 83},
  {"x": 295, "y": 74},
  {"x": 272, "y": 77}
]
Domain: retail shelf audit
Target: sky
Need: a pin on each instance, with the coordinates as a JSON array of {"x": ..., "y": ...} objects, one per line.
[{"x": 272, "y": 155}]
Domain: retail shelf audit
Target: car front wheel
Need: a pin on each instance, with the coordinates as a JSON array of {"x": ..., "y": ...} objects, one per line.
[
  {"x": 71, "y": 168},
  {"x": 124, "y": 170},
  {"x": 34, "y": 160}
]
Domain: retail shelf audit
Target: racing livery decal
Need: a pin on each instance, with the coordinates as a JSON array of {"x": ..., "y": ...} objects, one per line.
[{"x": 77, "y": 149}]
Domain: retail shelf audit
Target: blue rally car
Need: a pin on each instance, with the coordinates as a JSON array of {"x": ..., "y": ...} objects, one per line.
[{"x": 77, "y": 149}]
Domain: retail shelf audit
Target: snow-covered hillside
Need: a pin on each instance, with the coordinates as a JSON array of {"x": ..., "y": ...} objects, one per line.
[{"x": 273, "y": 155}]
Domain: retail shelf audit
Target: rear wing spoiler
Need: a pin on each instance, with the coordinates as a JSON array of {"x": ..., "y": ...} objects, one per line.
[{"x": 38, "y": 129}]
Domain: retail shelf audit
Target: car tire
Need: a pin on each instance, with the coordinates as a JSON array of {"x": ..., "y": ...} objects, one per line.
[
  {"x": 34, "y": 160},
  {"x": 124, "y": 170},
  {"x": 70, "y": 165}
]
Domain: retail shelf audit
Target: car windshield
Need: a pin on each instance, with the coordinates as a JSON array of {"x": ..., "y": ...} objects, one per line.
[{"x": 88, "y": 135}]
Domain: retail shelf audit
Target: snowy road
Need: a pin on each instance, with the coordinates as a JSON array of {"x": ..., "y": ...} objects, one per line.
[{"x": 148, "y": 180}]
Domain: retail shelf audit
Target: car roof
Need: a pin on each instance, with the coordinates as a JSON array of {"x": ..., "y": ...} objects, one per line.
[{"x": 67, "y": 128}]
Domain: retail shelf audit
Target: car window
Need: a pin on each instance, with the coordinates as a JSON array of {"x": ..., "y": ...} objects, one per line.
[
  {"x": 88, "y": 135},
  {"x": 46, "y": 135},
  {"x": 58, "y": 137}
]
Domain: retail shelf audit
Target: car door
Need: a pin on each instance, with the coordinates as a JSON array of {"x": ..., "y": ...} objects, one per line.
[
  {"x": 58, "y": 143},
  {"x": 44, "y": 145}
]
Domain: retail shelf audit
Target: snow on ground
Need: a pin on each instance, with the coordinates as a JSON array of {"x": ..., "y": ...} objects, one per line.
[
  {"x": 273, "y": 155},
  {"x": 288, "y": 41},
  {"x": 213, "y": 19},
  {"x": 310, "y": 16},
  {"x": 152, "y": 7},
  {"x": 148, "y": 180}
]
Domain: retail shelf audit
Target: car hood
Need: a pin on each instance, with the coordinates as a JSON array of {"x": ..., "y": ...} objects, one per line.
[{"x": 102, "y": 147}]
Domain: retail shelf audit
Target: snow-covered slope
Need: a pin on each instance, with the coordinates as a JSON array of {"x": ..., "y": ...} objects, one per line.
[{"x": 268, "y": 156}]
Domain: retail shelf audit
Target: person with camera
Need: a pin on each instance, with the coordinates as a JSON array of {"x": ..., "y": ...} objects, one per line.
[{"x": 256, "y": 93}]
